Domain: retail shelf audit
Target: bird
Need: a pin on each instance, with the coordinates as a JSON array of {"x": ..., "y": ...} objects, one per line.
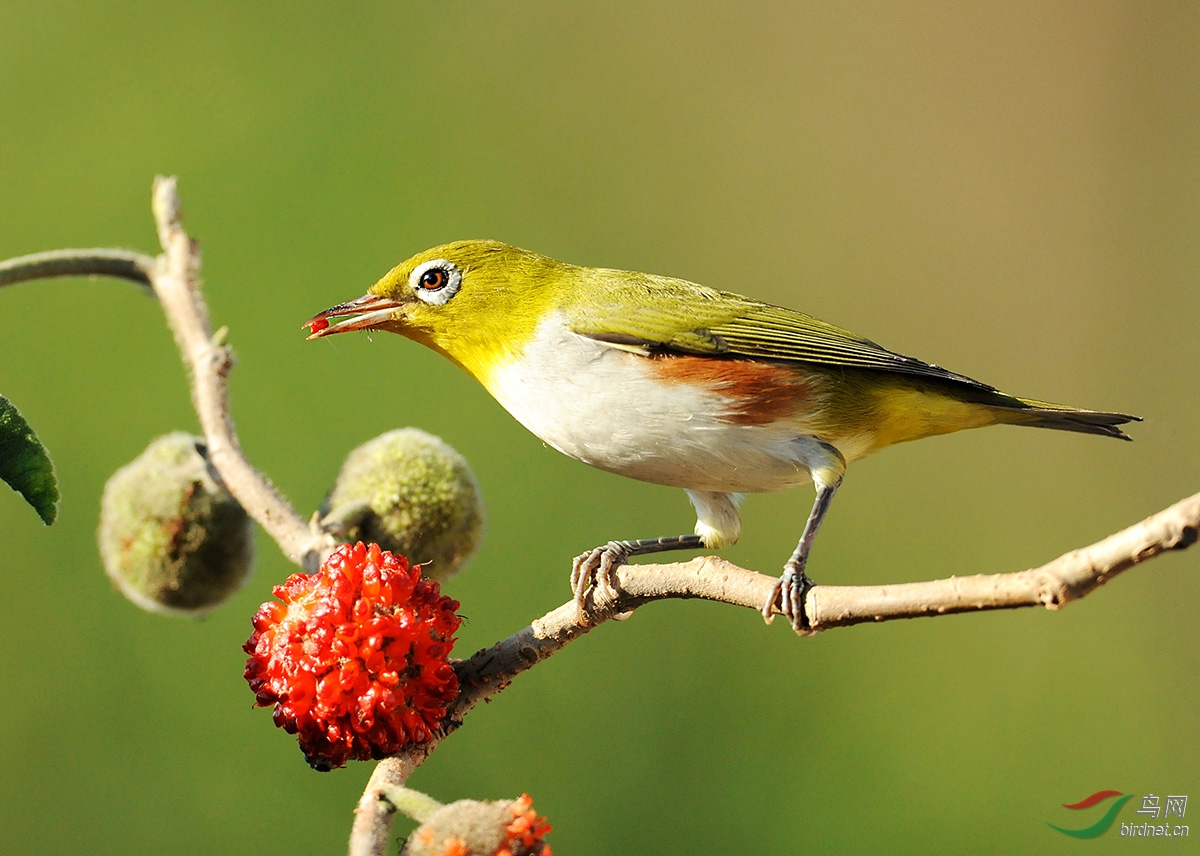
[{"x": 670, "y": 382}]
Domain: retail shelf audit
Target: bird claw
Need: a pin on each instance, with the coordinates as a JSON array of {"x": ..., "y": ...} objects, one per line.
[
  {"x": 790, "y": 591},
  {"x": 596, "y": 571}
]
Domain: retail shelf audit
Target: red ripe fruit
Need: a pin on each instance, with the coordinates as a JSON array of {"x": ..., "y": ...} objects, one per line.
[
  {"x": 355, "y": 659},
  {"x": 318, "y": 324}
]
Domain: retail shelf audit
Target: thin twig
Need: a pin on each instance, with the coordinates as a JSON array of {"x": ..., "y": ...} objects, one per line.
[
  {"x": 125, "y": 264},
  {"x": 175, "y": 281}
]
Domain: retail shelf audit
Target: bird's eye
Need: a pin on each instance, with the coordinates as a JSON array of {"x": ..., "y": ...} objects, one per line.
[{"x": 435, "y": 281}]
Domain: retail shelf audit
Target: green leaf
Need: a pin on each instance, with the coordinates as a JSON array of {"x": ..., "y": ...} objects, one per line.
[{"x": 25, "y": 463}]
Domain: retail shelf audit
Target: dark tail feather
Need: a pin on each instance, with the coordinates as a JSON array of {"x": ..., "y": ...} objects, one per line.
[{"x": 1042, "y": 414}]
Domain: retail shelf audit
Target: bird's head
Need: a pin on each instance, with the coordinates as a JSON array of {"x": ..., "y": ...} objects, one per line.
[{"x": 476, "y": 302}]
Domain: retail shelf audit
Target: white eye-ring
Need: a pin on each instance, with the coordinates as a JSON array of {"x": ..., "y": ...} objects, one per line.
[{"x": 436, "y": 281}]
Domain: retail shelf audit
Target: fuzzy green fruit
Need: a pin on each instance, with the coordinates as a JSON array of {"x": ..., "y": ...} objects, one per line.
[
  {"x": 473, "y": 827},
  {"x": 412, "y": 494},
  {"x": 171, "y": 536},
  {"x": 478, "y": 825}
]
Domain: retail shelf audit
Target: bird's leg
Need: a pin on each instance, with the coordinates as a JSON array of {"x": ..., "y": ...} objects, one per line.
[
  {"x": 599, "y": 566},
  {"x": 717, "y": 525},
  {"x": 793, "y": 586}
]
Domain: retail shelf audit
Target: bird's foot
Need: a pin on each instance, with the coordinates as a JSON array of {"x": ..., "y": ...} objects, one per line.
[
  {"x": 789, "y": 592},
  {"x": 596, "y": 571}
]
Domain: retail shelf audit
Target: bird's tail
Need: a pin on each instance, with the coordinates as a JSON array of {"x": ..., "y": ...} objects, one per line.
[{"x": 1043, "y": 414}]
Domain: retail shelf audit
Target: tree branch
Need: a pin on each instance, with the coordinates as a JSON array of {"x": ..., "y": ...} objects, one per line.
[
  {"x": 173, "y": 278},
  {"x": 373, "y": 814},
  {"x": 125, "y": 264},
  {"x": 1053, "y": 585},
  {"x": 175, "y": 281}
]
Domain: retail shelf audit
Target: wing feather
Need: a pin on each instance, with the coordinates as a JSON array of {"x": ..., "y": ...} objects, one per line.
[{"x": 657, "y": 314}]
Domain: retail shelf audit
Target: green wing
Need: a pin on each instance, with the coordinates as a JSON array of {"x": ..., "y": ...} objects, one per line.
[{"x": 658, "y": 314}]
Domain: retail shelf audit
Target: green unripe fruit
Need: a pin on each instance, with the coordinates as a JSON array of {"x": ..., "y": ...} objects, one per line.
[
  {"x": 472, "y": 826},
  {"x": 478, "y": 825},
  {"x": 171, "y": 536},
  {"x": 412, "y": 494}
]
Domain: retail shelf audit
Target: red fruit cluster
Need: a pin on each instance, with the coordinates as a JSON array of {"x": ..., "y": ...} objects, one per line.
[{"x": 355, "y": 659}]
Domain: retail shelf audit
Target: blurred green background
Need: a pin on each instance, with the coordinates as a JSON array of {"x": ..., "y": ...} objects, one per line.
[{"x": 1009, "y": 190}]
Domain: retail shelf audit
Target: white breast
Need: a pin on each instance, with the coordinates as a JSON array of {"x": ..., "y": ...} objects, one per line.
[{"x": 609, "y": 408}]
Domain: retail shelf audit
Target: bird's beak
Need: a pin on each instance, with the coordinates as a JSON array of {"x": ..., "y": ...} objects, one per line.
[{"x": 368, "y": 311}]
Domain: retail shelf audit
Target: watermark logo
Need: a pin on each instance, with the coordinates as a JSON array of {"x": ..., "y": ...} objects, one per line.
[
  {"x": 1102, "y": 825},
  {"x": 1159, "y": 808}
]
